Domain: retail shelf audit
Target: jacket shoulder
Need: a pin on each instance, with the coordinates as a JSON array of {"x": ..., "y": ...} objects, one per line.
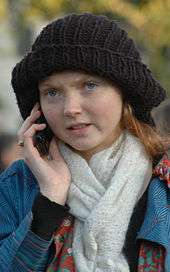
[
  {"x": 162, "y": 171},
  {"x": 18, "y": 171}
]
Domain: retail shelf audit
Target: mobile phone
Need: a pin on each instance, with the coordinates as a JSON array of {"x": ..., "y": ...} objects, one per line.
[{"x": 42, "y": 138}]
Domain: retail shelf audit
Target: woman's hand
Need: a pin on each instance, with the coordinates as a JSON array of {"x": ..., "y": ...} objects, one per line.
[{"x": 53, "y": 175}]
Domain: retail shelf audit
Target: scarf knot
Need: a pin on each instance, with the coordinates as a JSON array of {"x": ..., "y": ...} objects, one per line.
[{"x": 102, "y": 197}]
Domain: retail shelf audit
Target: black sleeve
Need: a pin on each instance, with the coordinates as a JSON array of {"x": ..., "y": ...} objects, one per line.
[
  {"x": 131, "y": 246},
  {"x": 47, "y": 216}
]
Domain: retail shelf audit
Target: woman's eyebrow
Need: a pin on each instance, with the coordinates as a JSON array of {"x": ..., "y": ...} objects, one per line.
[
  {"x": 45, "y": 84},
  {"x": 86, "y": 77}
]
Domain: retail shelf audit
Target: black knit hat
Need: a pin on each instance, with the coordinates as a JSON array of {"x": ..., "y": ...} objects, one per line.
[{"x": 90, "y": 43}]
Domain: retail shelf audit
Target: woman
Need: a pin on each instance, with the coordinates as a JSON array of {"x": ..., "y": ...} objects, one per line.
[{"x": 78, "y": 199}]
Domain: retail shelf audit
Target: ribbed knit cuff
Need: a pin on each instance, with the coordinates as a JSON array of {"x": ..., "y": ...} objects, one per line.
[{"x": 47, "y": 216}]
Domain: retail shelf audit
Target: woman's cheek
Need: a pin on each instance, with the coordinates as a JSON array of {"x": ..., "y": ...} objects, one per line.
[{"x": 54, "y": 120}]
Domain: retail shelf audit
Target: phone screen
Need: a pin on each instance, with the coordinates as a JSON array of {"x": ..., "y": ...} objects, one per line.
[{"x": 42, "y": 138}]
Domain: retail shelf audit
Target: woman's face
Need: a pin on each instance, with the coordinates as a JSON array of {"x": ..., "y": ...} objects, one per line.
[{"x": 83, "y": 110}]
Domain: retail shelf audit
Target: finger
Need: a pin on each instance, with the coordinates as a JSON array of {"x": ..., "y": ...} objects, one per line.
[
  {"x": 35, "y": 108},
  {"x": 28, "y": 139},
  {"x": 33, "y": 115},
  {"x": 32, "y": 130},
  {"x": 27, "y": 123},
  {"x": 32, "y": 118}
]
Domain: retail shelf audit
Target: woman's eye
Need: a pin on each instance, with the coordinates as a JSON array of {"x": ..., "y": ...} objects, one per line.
[
  {"x": 90, "y": 85},
  {"x": 52, "y": 92}
]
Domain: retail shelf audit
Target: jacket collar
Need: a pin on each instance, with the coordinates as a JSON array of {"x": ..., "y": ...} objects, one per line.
[{"x": 162, "y": 170}]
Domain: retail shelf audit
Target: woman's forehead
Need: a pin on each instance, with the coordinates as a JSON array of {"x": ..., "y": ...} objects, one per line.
[{"x": 68, "y": 76}]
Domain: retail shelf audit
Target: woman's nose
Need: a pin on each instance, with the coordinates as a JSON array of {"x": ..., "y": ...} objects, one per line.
[{"x": 72, "y": 106}]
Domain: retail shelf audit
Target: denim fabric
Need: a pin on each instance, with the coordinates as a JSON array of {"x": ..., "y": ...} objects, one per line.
[
  {"x": 20, "y": 248},
  {"x": 156, "y": 225}
]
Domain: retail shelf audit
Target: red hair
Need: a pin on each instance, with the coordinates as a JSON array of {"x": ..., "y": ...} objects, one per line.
[{"x": 154, "y": 143}]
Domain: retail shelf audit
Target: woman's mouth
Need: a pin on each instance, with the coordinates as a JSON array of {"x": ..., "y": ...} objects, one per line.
[
  {"x": 78, "y": 126},
  {"x": 79, "y": 129}
]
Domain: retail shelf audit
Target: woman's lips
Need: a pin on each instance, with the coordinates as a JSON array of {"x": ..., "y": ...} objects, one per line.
[
  {"x": 79, "y": 130},
  {"x": 78, "y": 126}
]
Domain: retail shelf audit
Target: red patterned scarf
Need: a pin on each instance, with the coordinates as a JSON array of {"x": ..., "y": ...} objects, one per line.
[
  {"x": 151, "y": 257},
  {"x": 63, "y": 259}
]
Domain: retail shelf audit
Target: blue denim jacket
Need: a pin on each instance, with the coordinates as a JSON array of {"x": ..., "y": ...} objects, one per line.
[
  {"x": 22, "y": 250},
  {"x": 156, "y": 225}
]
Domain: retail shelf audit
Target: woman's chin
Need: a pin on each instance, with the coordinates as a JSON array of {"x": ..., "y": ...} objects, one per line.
[{"x": 82, "y": 146}]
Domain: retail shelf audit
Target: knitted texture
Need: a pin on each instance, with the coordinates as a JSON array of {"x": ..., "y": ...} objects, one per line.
[
  {"x": 90, "y": 43},
  {"x": 101, "y": 197}
]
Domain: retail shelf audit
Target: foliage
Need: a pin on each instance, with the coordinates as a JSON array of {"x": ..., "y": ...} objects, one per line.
[
  {"x": 147, "y": 21},
  {"x": 3, "y": 8}
]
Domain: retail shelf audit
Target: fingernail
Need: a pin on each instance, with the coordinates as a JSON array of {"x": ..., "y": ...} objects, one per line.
[
  {"x": 43, "y": 125},
  {"x": 36, "y": 105}
]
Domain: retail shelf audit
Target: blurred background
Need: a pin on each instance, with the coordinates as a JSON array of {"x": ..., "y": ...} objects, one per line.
[{"x": 147, "y": 21}]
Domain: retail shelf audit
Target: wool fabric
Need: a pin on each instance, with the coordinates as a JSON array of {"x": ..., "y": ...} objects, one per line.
[
  {"x": 96, "y": 45},
  {"x": 102, "y": 197}
]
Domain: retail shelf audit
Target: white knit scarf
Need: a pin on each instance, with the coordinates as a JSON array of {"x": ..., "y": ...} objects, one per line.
[{"x": 102, "y": 197}]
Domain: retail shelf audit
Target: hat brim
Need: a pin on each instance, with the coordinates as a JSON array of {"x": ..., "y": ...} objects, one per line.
[{"x": 138, "y": 85}]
